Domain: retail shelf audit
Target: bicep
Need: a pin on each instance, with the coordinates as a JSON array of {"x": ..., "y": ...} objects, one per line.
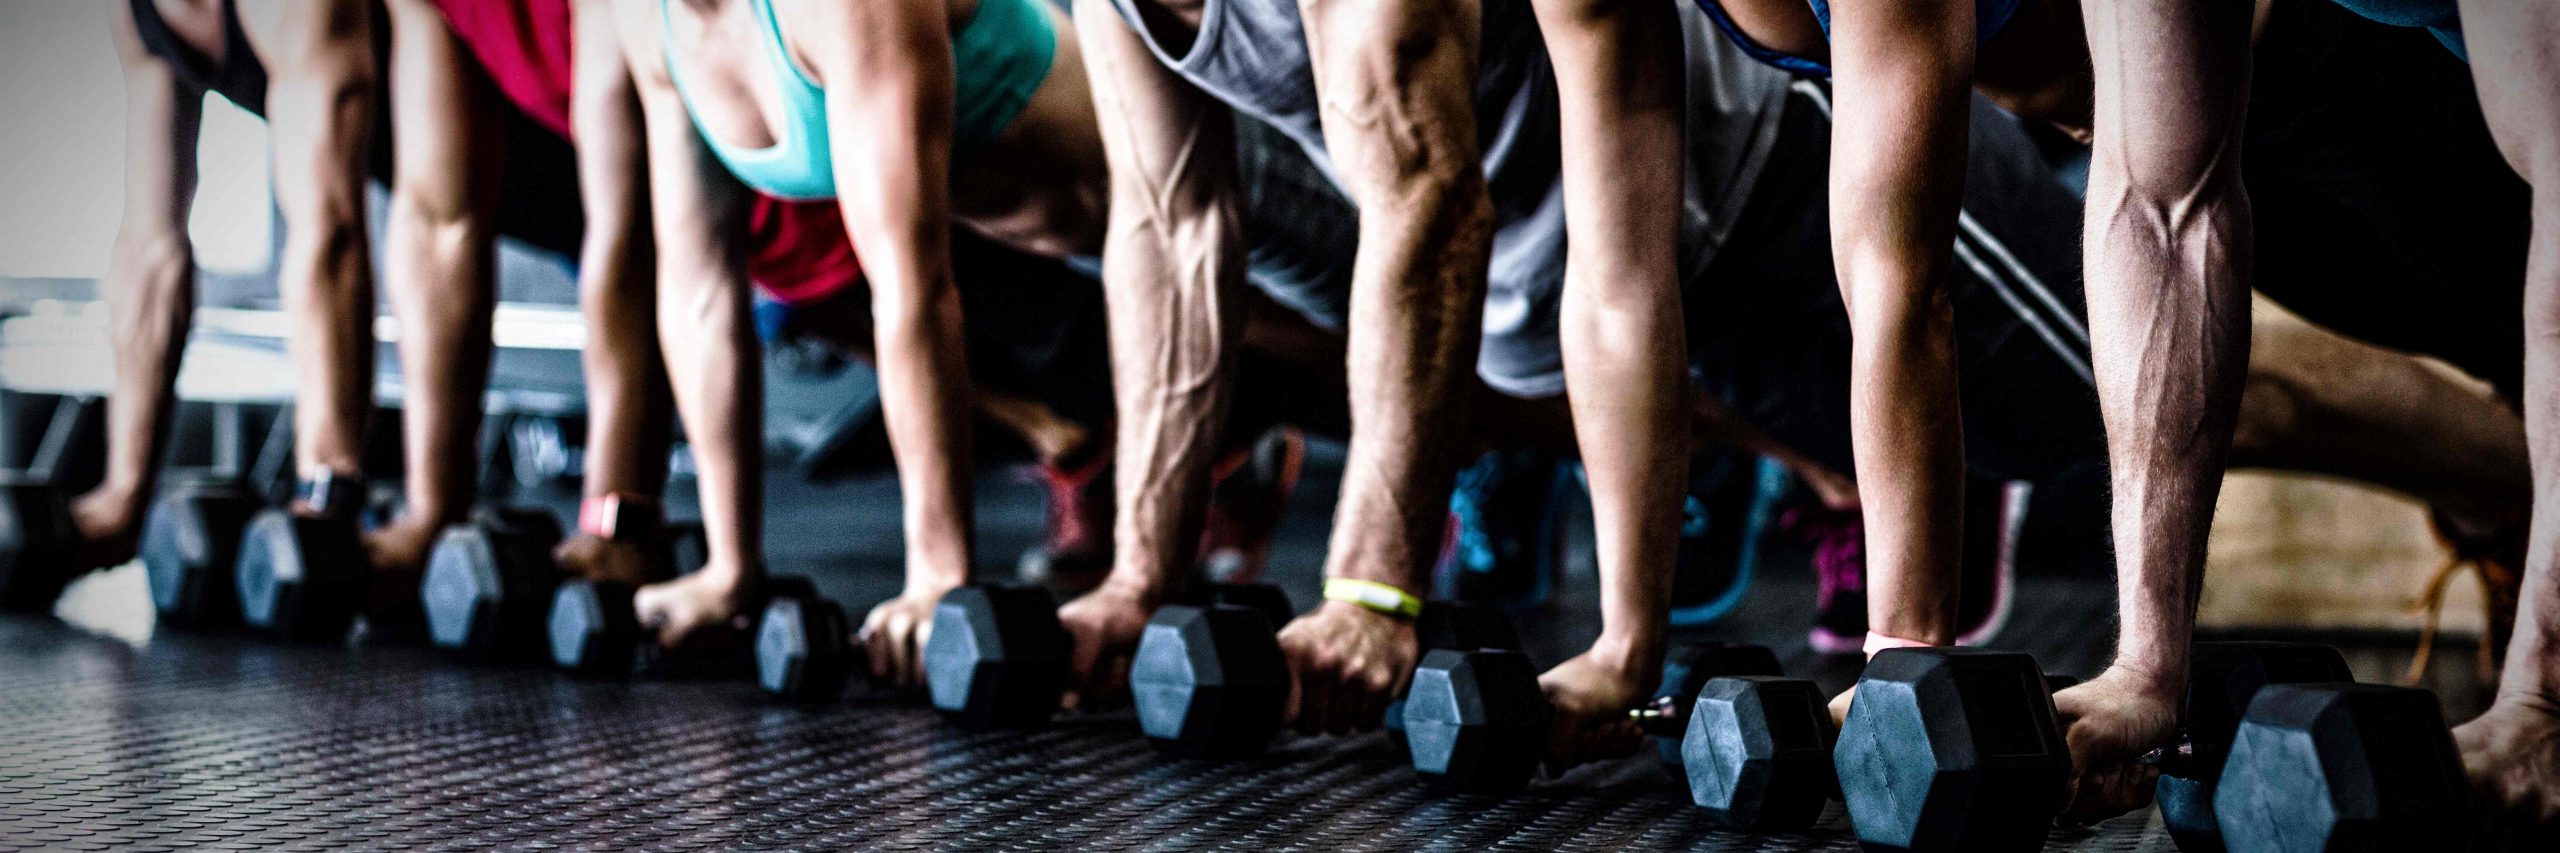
[
  {"x": 320, "y": 106},
  {"x": 1395, "y": 84},
  {"x": 2172, "y": 90},
  {"x": 604, "y": 113},
  {"x": 889, "y": 84}
]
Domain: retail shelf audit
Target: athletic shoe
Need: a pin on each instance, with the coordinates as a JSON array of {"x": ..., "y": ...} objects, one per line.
[
  {"x": 1077, "y": 550},
  {"x": 1839, "y": 540},
  {"x": 1731, "y": 499},
  {"x": 1503, "y": 544},
  {"x": 1248, "y": 494},
  {"x": 2497, "y": 556}
]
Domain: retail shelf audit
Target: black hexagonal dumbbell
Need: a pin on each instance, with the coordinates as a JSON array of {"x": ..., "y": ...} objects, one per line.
[
  {"x": 2343, "y": 767},
  {"x": 1475, "y": 721},
  {"x": 1688, "y": 667},
  {"x": 997, "y": 657},
  {"x": 2223, "y": 677},
  {"x": 191, "y": 550},
  {"x": 37, "y": 542},
  {"x": 1952, "y": 749},
  {"x": 1459, "y": 625},
  {"x": 595, "y": 632},
  {"x": 1757, "y": 752},
  {"x": 804, "y": 649},
  {"x": 489, "y": 584},
  {"x": 1208, "y": 678},
  {"x": 299, "y": 577}
]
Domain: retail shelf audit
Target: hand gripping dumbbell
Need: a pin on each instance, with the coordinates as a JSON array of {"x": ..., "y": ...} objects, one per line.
[
  {"x": 1208, "y": 678},
  {"x": 2343, "y": 767},
  {"x": 191, "y": 548},
  {"x": 1952, "y": 749},
  {"x": 998, "y": 656},
  {"x": 2222, "y": 678},
  {"x": 37, "y": 542},
  {"x": 489, "y": 584},
  {"x": 595, "y": 631},
  {"x": 304, "y": 576}
]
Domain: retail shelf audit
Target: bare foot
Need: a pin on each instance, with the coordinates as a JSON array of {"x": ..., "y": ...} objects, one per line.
[
  {"x": 714, "y": 598},
  {"x": 596, "y": 558},
  {"x": 108, "y": 528},
  {"x": 2512, "y": 754}
]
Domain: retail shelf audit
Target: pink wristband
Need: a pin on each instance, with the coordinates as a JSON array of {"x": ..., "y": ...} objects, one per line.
[{"x": 1880, "y": 642}]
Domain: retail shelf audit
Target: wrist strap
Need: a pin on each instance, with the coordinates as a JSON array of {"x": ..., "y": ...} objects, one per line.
[
  {"x": 619, "y": 517},
  {"x": 1880, "y": 642},
  {"x": 1373, "y": 595},
  {"x": 329, "y": 494}
]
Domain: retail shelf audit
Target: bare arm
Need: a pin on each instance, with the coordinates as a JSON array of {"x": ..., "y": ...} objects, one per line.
[
  {"x": 626, "y": 433},
  {"x": 320, "y": 107},
  {"x": 890, "y": 108},
  {"x": 2509, "y": 751},
  {"x": 703, "y": 323},
  {"x": 150, "y": 286},
  {"x": 1173, "y": 276},
  {"x": 2168, "y": 269},
  {"x": 2168, "y": 245},
  {"x": 1902, "y": 75},
  {"x": 1622, "y": 331},
  {"x": 1395, "y": 82}
]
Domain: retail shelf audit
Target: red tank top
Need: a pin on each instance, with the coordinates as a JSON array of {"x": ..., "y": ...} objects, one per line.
[{"x": 800, "y": 254}]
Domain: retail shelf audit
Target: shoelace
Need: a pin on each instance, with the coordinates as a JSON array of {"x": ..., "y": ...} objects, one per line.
[{"x": 2493, "y": 576}]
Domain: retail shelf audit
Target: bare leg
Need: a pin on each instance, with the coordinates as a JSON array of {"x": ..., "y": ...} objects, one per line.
[{"x": 2318, "y": 402}]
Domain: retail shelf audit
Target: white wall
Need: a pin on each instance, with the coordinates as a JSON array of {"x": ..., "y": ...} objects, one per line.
[{"x": 62, "y": 150}]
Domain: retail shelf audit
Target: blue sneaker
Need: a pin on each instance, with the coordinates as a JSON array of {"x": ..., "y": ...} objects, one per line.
[
  {"x": 1732, "y": 500},
  {"x": 1505, "y": 542}
]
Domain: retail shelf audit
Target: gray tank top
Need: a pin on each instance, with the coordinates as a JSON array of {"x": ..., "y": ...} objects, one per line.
[{"x": 1252, "y": 55}]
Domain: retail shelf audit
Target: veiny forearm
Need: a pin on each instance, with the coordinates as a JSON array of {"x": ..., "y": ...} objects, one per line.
[
  {"x": 1622, "y": 331},
  {"x": 2168, "y": 265},
  {"x": 1172, "y": 274},
  {"x": 150, "y": 296},
  {"x": 627, "y": 406},
  {"x": 1902, "y": 74},
  {"x": 1394, "y": 89}
]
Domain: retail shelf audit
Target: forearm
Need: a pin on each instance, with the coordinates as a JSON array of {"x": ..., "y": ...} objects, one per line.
[
  {"x": 2168, "y": 244},
  {"x": 2519, "y": 82},
  {"x": 1903, "y": 76},
  {"x": 150, "y": 296},
  {"x": 327, "y": 287},
  {"x": 925, "y": 394},
  {"x": 717, "y": 375},
  {"x": 1622, "y": 329},
  {"x": 627, "y": 415},
  {"x": 439, "y": 270},
  {"x": 1399, "y": 119}
]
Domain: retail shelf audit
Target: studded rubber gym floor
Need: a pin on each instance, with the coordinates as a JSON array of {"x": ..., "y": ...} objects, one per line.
[{"x": 111, "y": 739}]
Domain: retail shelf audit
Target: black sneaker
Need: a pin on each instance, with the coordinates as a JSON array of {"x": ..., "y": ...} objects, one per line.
[
  {"x": 1731, "y": 502},
  {"x": 1505, "y": 543}
]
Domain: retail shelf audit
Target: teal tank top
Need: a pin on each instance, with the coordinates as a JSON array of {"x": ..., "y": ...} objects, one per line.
[{"x": 1001, "y": 55}]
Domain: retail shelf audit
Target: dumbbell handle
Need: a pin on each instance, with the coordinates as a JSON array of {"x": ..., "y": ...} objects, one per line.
[
  {"x": 2177, "y": 759},
  {"x": 1661, "y": 716}
]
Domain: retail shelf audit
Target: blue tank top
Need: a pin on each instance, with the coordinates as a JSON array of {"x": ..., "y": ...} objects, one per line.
[
  {"x": 1001, "y": 56},
  {"x": 1988, "y": 17},
  {"x": 2440, "y": 17}
]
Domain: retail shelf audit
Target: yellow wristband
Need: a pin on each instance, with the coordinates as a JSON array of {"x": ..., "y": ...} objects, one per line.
[{"x": 1373, "y": 595}]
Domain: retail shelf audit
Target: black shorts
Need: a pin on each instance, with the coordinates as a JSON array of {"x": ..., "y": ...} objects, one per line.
[
  {"x": 1769, "y": 335},
  {"x": 2383, "y": 208}
]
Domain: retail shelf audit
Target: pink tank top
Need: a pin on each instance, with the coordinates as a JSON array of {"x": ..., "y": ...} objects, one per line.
[{"x": 800, "y": 252}]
